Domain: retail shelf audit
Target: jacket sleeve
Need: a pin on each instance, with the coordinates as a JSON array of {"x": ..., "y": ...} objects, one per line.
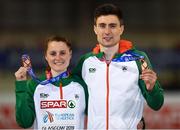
[
  {"x": 155, "y": 97},
  {"x": 77, "y": 74},
  {"x": 25, "y": 110},
  {"x": 83, "y": 84},
  {"x": 77, "y": 71}
]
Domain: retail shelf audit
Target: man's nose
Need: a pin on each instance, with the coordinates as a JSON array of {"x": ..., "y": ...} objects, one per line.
[{"x": 107, "y": 30}]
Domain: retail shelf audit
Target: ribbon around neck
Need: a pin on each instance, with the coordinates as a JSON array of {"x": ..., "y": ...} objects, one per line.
[
  {"x": 130, "y": 56},
  {"x": 27, "y": 63}
]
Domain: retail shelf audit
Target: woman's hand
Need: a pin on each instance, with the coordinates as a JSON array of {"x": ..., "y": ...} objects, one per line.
[{"x": 21, "y": 74}]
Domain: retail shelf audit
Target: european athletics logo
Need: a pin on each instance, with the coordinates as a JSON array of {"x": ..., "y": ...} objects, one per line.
[{"x": 48, "y": 116}]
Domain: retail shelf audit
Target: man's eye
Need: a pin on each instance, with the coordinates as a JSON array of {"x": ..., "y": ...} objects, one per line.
[
  {"x": 112, "y": 25},
  {"x": 102, "y": 25}
]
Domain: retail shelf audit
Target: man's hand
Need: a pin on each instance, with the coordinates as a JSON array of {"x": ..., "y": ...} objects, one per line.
[{"x": 149, "y": 77}]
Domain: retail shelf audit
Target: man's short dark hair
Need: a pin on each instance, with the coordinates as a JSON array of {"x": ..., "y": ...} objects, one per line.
[{"x": 108, "y": 9}]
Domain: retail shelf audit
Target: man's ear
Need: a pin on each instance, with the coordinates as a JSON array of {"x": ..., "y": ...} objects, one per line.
[
  {"x": 122, "y": 29},
  {"x": 95, "y": 29}
]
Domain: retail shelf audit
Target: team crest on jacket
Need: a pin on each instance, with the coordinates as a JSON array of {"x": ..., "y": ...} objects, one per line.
[{"x": 92, "y": 70}]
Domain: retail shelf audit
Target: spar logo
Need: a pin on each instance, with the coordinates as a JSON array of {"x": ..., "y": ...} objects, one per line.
[{"x": 57, "y": 104}]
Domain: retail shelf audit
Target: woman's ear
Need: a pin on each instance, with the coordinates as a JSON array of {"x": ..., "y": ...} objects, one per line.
[
  {"x": 70, "y": 54},
  {"x": 45, "y": 57}
]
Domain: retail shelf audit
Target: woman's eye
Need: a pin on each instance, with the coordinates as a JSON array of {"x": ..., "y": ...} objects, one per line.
[
  {"x": 62, "y": 52},
  {"x": 53, "y": 53}
]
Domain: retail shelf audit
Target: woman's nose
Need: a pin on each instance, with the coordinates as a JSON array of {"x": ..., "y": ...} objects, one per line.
[{"x": 58, "y": 57}]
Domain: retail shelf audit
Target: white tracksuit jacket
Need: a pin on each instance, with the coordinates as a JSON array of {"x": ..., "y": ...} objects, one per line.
[
  {"x": 51, "y": 107},
  {"x": 116, "y": 94}
]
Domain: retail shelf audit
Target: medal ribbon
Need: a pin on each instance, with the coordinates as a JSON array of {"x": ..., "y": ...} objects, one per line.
[
  {"x": 131, "y": 56},
  {"x": 26, "y": 61}
]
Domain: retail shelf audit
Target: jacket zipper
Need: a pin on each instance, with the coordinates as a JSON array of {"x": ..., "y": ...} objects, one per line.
[{"x": 107, "y": 96}]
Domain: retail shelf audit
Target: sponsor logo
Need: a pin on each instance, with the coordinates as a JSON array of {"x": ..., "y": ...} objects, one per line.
[
  {"x": 44, "y": 95},
  {"x": 64, "y": 116},
  {"x": 124, "y": 68},
  {"x": 92, "y": 70},
  {"x": 48, "y": 116},
  {"x": 71, "y": 104},
  {"x": 53, "y": 104},
  {"x": 57, "y": 104},
  {"x": 76, "y": 96}
]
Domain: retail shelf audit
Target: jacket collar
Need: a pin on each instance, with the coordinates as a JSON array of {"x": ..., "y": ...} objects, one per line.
[{"x": 124, "y": 46}]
